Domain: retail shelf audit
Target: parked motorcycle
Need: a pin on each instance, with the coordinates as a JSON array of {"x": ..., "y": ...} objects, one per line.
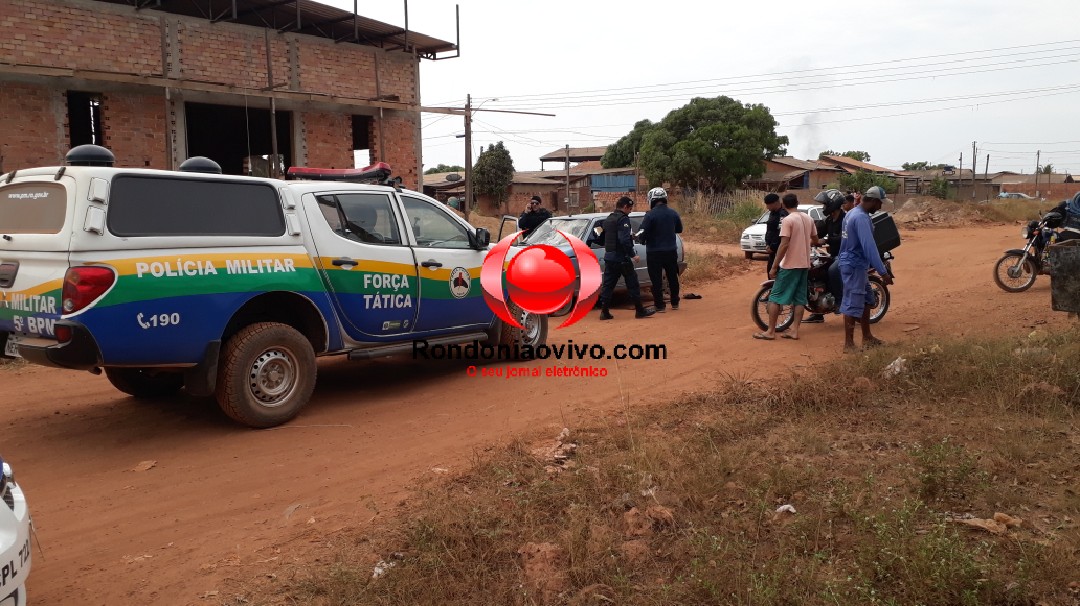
[
  {"x": 1017, "y": 269},
  {"x": 820, "y": 299}
]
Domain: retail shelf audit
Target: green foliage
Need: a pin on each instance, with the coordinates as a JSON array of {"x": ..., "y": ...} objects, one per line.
[
  {"x": 493, "y": 173},
  {"x": 861, "y": 156},
  {"x": 947, "y": 471},
  {"x": 939, "y": 187},
  {"x": 863, "y": 180},
  {"x": 921, "y": 166},
  {"x": 444, "y": 168},
  {"x": 1047, "y": 169},
  {"x": 709, "y": 144},
  {"x": 621, "y": 153}
]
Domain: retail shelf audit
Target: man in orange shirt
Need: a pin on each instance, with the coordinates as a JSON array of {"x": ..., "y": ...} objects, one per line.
[{"x": 797, "y": 234}]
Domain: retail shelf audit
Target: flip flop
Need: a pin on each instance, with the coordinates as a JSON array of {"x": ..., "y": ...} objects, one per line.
[
  {"x": 787, "y": 336},
  {"x": 763, "y": 336}
]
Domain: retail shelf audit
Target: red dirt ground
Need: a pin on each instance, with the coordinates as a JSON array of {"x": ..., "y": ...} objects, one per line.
[{"x": 220, "y": 499}]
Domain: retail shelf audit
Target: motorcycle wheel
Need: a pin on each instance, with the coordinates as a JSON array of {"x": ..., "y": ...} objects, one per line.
[
  {"x": 760, "y": 313},
  {"x": 881, "y": 294},
  {"x": 1013, "y": 276}
]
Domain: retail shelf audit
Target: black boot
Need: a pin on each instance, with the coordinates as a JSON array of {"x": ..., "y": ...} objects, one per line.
[
  {"x": 605, "y": 314},
  {"x": 644, "y": 312}
]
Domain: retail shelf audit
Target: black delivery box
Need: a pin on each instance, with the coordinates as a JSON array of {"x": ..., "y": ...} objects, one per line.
[{"x": 886, "y": 236}]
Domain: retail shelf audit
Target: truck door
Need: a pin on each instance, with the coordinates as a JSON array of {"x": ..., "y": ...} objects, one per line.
[
  {"x": 365, "y": 262},
  {"x": 449, "y": 267}
]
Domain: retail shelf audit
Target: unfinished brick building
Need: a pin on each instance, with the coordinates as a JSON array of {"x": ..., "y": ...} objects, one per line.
[{"x": 158, "y": 81}]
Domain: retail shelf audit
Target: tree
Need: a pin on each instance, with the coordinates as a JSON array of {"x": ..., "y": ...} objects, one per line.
[
  {"x": 863, "y": 180},
  {"x": 493, "y": 173},
  {"x": 861, "y": 156},
  {"x": 939, "y": 188},
  {"x": 1048, "y": 169},
  {"x": 621, "y": 153},
  {"x": 709, "y": 144},
  {"x": 444, "y": 168}
]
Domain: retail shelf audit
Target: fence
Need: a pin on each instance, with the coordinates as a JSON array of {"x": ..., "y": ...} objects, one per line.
[{"x": 713, "y": 204}]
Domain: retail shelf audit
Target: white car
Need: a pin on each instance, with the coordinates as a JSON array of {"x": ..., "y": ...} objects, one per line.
[
  {"x": 753, "y": 237},
  {"x": 14, "y": 541}
]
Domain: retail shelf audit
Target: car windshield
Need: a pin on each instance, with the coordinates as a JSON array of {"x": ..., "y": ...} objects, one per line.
[{"x": 545, "y": 232}]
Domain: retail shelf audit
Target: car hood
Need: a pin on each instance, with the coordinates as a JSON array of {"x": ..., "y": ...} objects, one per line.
[{"x": 757, "y": 229}]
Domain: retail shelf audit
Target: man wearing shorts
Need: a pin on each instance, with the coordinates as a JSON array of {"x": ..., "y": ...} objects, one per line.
[
  {"x": 797, "y": 234},
  {"x": 858, "y": 252}
]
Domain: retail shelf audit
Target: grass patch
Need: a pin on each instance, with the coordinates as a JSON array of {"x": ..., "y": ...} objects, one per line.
[
  {"x": 1012, "y": 210},
  {"x": 678, "y": 504},
  {"x": 704, "y": 266},
  {"x": 719, "y": 218}
]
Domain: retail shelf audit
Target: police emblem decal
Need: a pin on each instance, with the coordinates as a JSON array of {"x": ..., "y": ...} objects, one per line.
[{"x": 460, "y": 282}]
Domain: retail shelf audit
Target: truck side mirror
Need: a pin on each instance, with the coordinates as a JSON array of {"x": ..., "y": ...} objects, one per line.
[{"x": 481, "y": 238}]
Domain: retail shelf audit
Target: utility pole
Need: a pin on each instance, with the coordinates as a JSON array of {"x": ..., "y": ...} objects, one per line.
[
  {"x": 1037, "y": 154},
  {"x": 567, "y": 176},
  {"x": 468, "y": 156},
  {"x": 636, "y": 177},
  {"x": 960, "y": 176},
  {"x": 986, "y": 177},
  {"x": 974, "y": 159}
]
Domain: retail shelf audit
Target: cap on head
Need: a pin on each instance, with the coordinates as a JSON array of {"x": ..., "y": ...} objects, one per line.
[
  {"x": 876, "y": 192},
  {"x": 536, "y": 199},
  {"x": 657, "y": 194},
  {"x": 772, "y": 198},
  {"x": 624, "y": 202}
]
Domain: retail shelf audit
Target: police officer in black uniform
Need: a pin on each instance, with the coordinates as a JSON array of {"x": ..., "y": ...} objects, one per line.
[
  {"x": 772, "y": 228},
  {"x": 619, "y": 260},
  {"x": 534, "y": 215}
]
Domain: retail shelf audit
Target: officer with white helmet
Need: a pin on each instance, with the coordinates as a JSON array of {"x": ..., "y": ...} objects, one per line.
[{"x": 658, "y": 231}]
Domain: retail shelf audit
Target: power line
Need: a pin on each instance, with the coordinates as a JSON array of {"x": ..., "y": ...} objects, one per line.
[
  {"x": 783, "y": 73},
  {"x": 823, "y": 85}
]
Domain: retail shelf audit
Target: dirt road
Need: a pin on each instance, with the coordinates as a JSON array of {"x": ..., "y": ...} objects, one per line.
[{"x": 165, "y": 502}]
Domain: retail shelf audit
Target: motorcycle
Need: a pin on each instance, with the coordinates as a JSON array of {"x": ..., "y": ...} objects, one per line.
[
  {"x": 820, "y": 300},
  {"x": 1017, "y": 269}
]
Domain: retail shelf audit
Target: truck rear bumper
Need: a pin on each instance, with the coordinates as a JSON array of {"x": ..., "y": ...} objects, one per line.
[{"x": 79, "y": 353}]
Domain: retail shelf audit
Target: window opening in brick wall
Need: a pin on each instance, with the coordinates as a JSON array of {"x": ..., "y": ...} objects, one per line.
[
  {"x": 222, "y": 132},
  {"x": 84, "y": 118},
  {"x": 362, "y": 141}
]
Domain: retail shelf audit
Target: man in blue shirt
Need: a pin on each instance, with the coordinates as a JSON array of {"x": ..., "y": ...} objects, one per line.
[
  {"x": 858, "y": 252},
  {"x": 658, "y": 231}
]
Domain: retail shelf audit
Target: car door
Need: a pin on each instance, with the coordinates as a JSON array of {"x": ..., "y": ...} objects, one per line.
[
  {"x": 448, "y": 266},
  {"x": 365, "y": 261}
]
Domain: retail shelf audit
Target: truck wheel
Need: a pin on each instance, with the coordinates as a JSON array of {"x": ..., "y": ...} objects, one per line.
[
  {"x": 145, "y": 382},
  {"x": 267, "y": 374},
  {"x": 533, "y": 333}
]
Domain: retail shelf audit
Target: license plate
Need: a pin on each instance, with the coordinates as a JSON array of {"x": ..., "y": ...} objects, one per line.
[{"x": 11, "y": 347}]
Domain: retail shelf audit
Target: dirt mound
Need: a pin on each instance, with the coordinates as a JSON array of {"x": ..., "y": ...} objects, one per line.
[{"x": 930, "y": 212}]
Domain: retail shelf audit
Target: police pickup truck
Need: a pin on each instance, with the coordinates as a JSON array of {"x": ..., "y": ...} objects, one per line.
[{"x": 230, "y": 285}]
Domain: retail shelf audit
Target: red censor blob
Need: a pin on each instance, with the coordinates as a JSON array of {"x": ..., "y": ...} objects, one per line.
[{"x": 540, "y": 279}]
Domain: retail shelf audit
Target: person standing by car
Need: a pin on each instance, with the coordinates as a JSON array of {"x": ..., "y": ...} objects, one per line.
[
  {"x": 797, "y": 234},
  {"x": 658, "y": 231},
  {"x": 533, "y": 215},
  {"x": 858, "y": 252},
  {"x": 772, "y": 227},
  {"x": 619, "y": 260}
]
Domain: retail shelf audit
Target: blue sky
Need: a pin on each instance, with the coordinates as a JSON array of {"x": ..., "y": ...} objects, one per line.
[{"x": 904, "y": 81}]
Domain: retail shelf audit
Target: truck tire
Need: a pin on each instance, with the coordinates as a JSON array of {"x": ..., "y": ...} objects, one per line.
[
  {"x": 145, "y": 382},
  {"x": 266, "y": 375},
  {"x": 533, "y": 334}
]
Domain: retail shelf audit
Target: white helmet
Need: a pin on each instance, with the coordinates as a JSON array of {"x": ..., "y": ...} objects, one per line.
[{"x": 657, "y": 193}]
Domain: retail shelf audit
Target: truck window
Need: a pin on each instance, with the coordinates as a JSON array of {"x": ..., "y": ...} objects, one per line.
[
  {"x": 169, "y": 206},
  {"x": 361, "y": 217},
  {"x": 432, "y": 227},
  {"x": 32, "y": 208}
]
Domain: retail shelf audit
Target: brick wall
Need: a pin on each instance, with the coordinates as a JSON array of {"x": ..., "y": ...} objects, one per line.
[
  {"x": 79, "y": 35},
  {"x": 88, "y": 35},
  {"x": 1054, "y": 192},
  {"x": 134, "y": 129},
  {"x": 399, "y": 150},
  {"x": 329, "y": 139},
  {"x": 31, "y": 126}
]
